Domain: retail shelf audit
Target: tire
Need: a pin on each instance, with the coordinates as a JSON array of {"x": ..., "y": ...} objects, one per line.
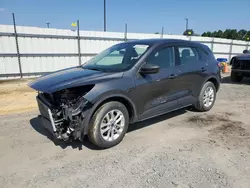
[
  {"x": 101, "y": 118},
  {"x": 235, "y": 77},
  {"x": 201, "y": 106}
]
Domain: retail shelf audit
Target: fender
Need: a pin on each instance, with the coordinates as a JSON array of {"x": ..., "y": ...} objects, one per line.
[
  {"x": 212, "y": 77},
  {"x": 103, "y": 98}
]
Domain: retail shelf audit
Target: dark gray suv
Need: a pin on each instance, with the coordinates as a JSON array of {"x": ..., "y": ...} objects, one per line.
[{"x": 126, "y": 83}]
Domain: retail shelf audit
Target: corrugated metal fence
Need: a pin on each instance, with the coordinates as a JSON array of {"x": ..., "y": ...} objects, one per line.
[{"x": 32, "y": 51}]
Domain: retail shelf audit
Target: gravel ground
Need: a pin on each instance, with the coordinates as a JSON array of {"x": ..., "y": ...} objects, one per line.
[{"x": 180, "y": 149}]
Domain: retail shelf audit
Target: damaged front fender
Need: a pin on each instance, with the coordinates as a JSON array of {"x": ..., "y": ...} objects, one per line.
[{"x": 66, "y": 111}]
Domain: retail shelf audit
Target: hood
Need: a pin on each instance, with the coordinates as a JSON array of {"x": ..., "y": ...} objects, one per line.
[{"x": 71, "y": 77}]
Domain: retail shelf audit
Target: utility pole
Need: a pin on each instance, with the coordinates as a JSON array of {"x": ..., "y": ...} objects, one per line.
[
  {"x": 104, "y": 16},
  {"x": 186, "y": 23},
  {"x": 126, "y": 32},
  {"x": 162, "y": 32},
  {"x": 47, "y": 24}
]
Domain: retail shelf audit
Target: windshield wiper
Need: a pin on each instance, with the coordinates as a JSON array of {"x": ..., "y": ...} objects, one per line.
[{"x": 94, "y": 68}]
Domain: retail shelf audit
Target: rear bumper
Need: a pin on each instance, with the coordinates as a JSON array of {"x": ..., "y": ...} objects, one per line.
[{"x": 241, "y": 70}]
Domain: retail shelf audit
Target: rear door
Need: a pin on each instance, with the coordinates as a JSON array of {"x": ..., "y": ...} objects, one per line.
[{"x": 193, "y": 70}]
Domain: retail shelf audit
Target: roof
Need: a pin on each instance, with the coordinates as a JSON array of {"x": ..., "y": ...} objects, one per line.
[{"x": 161, "y": 41}]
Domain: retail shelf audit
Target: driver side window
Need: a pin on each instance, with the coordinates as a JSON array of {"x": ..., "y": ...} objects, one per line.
[{"x": 163, "y": 57}]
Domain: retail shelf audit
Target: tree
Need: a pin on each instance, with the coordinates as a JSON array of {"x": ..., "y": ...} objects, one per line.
[
  {"x": 188, "y": 32},
  {"x": 229, "y": 34},
  {"x": 157, "y": 33},
  {"x": 207, "y": 34},
  {"x": 220, "y": 34},
  {"x": 241, "y": 34}
]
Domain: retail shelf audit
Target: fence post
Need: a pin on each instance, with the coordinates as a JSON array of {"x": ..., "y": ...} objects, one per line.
[
  {"x": 247, "y": 45},
  {"x": 212, "y": 45},
  {"x": 125, "y": 33},
  {"x": 230, "y": 50},
  {"x": 78, "y": 42},
  {"x": 17, "y": 46}
]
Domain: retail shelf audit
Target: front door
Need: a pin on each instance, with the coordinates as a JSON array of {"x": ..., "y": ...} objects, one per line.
[{"x": 157, "y": 93}]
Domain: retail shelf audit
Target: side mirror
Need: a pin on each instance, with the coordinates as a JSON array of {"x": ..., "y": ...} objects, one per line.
[{"x": 149, "y": 69}]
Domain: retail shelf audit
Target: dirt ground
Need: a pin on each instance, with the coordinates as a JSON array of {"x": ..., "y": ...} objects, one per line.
[
  {"x": 183, "y": 149},
  {"x": 16, "y": 97}
]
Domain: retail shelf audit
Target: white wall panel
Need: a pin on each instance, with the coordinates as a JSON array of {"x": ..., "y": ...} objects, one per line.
[
  {"x": 9, "y": 65},
  {"x": 221, "y": 56},
  {"x": 47, "y": 64},
  {"x": 48, "y": 45},
  {"x": 238, "y": 49},
  {"x": 28, "y": 45},
  {"x": 221, "y": 48},
  {"x": 7, "y": 44}
]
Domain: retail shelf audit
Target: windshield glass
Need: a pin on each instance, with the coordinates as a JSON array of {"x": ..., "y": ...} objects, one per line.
[{"x": 118, "y": 58}]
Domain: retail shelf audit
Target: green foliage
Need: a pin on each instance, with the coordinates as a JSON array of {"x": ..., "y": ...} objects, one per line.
[
  {"x": 188, "y": 32},
  {"x": 229, "y": 34}
]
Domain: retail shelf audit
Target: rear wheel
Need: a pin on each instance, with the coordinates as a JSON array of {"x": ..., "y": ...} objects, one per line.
[
  {"x": 206, "y": 98},
  {"x": 235, "y": 77},
  {"x": 109, "y": 125}
]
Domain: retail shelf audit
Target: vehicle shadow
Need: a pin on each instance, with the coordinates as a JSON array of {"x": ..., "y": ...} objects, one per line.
[
  {"x": 146, "y": 123},
  {"x": 37, "y": 125},
  {"x": 227, "y": 80}
]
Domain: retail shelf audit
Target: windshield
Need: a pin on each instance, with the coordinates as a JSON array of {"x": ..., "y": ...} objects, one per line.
[{"x": 118, "y": 58}]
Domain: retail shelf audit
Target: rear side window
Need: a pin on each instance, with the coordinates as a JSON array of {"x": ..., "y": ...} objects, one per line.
[{"x": 188, "y": 55}]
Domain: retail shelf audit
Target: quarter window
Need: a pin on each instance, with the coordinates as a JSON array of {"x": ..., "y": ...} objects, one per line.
[{"x": 163, "y": 57}]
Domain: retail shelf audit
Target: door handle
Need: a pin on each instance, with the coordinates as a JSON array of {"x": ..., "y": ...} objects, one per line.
[
  {"x": 172, "y": 76},
  {"x": 203, "y": 69}
]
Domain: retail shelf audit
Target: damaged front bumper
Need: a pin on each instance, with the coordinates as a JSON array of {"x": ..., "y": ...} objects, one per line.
[{"x": 64, "y": 122}]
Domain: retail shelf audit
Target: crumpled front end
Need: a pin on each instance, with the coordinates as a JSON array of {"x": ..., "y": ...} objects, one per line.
[{"x": 63, "y": 112}]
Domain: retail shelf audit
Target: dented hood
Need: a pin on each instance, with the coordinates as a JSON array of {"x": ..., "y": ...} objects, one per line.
[{"x": 71, "y": 77}]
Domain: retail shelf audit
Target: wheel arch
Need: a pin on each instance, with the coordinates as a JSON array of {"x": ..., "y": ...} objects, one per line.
[
  {"x": 214, "y": 80},
  {"x": 128, "y": 103}
]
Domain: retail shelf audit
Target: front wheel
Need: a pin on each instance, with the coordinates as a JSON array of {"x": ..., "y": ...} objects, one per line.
[
  {"x": 109, "y": 125},
  {"x": 206, "y": 98}
]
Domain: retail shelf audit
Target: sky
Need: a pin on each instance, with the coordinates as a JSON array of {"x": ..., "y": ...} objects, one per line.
[{"x": 143, "y": 16}]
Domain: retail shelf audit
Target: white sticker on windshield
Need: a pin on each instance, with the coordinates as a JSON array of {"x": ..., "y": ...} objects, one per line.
[{"x": 141, "y": 46}]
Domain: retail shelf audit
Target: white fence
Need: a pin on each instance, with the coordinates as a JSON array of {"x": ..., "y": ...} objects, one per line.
[{"x": 44, "y": 50}]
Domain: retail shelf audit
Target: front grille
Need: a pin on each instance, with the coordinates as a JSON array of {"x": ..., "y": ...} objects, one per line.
[{"x": 244, "y": 65}]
